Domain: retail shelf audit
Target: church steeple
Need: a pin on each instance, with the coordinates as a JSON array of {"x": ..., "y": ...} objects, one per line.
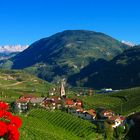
[{"x": 62, "y": 89}]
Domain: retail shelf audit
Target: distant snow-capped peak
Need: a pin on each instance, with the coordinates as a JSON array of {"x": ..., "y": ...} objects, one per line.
[
  {"x": 12, "y": 48},
  {"x": 128, "y": 43}
]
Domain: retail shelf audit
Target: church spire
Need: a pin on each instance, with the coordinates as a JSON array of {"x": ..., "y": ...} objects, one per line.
[{"x": 62, "y": 89}]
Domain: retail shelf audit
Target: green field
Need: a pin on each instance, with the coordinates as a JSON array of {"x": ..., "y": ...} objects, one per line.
[
  {"x": 123, "y": 102},
  {"x": 56, "y": 125},
  {"x": 13, "y": 84}
]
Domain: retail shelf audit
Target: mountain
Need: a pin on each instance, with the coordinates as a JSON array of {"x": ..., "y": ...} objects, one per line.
[
  {"x": 5, "y": 49},
  {"x": 4, "y": 56},
  {"x": 123, "y": 71},
  {"x": 128, "y": 43},
  {"x": 8, "y": 51},
  {"x": 65, "y": 53}
]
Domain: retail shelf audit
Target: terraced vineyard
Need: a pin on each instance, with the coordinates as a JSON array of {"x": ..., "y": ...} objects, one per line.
[
  {"x": 97, "y": 101},
  {"x": 123, "y": 102},
  {"x": 53, "y": 125},
  {"x": 130, "y": 98}
]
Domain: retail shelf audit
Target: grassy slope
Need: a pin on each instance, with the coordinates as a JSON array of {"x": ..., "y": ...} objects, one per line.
[
  {"x": 124, "y": 102},
  {"x": 56, "y": 125},
  {"x": 120, "y": 73},
  {"x": 20, "y": 83}
]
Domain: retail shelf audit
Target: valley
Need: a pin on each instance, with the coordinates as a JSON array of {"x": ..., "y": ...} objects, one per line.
[
  {"x": 88, "y": 63},
  {"x": 15, "y": 84}
]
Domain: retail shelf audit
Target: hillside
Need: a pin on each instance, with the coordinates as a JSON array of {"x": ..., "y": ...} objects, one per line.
[
  {"x": 122, "y": 102},
  {"x": 123, "y": 71},
  {"x": 13, "y": 84},
  {"x": 56, "y": 125},
  {"x": 65, "y": 53}
]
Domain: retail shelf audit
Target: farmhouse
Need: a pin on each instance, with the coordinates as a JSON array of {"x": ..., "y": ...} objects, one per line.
[
  {"x": 51, "y": 103},
  {"x": 28, "y": 97},
  {"x": 69, "y": 102},
  {"x": 80, "y": 112},
  {"x": 37, "y": 101},
  {"x": 115, "y": 121},
  {"x": 48, "y": 103},
  {"x": 104, "y": 114},
  {"x": 21, "y": 105}
]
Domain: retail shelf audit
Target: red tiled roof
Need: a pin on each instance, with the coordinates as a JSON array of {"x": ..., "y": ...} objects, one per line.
[
  {"x": 91, "y": 112},
  {"x": 69, "y": 102},
  {"x": 21, "y": 100},
  {"x": 107, "y": 113},
  {"x": 28, "y": 96},
  {"x": 116, "y": 118}
]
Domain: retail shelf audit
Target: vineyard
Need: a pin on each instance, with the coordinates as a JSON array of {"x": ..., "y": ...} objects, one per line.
[
  {"x": 130, "y": 100},
  {"x": 123, "y": 102},
  {"x": 53, "y": 125}
]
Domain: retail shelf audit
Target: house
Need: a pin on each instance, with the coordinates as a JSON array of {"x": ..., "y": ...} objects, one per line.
[
  {"x": 21, "y": 105},
  {"x": 69, "y": 102},
  {"x": 58, "y": 102},
  {"x": 28, "y": 97},
  {"x": 36, "y": 101},
  {"x": 76, "y": 111},
  {"x": 80, "y": 112},
  {"x": 72, "y": 102},
  {"x": 115, "y": 121},
  {"x": 91, "y": 114},
  {"x": 105, "y": 113},
  {"x": 77, "y": 102},
  {"x": 51, "y": 103},
  {"x": 48, "y": 103}
]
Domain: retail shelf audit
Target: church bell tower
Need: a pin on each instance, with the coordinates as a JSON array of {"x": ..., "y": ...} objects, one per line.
[{"x": 62, "y": 89}]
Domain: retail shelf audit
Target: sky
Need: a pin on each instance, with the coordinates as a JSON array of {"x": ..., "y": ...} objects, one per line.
[{"x": 25, "y": 21}]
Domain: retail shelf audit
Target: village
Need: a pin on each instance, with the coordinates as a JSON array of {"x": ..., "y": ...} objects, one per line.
[{"x": 71, "y": 106}]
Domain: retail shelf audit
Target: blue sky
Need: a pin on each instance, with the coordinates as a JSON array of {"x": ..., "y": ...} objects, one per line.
[{"x": 25, "y": 21}]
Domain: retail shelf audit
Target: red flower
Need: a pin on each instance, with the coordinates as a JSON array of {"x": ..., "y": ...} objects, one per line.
[
  {"x": 7, "y": 115},
  {"x": 3, "y": 128},
  {"x": 9, "y": 124},
  {"x": 15, "y": 120},
  {"x": 13, "y": 133},
  {"x": 3, "y": 106},
  {"x": 2, "y": 113}
]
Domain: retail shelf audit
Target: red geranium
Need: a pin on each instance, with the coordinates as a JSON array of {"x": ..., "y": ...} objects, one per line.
[
  {"x": 1, "y": 113},
  {"x": 3, "y": 128},
  {"x": 13, "y": 133},
  {"x": 7, "y": 115},
  {"x": 9, "y": 124},
  {"x": 15, "y": 120},
  {"x": 3, "y": 106}
]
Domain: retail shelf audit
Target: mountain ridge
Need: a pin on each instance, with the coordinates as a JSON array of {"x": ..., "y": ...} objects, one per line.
[
  {"x": 65, "y": 53},
  {"x": 123, "y": 71},
  {"x": 6, "y": 49}
]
